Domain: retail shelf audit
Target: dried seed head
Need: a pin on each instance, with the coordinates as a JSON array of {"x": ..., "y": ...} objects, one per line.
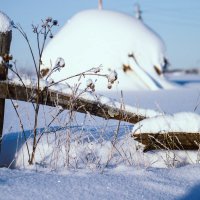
[
  {"x": 90, "y": 84},
  {"x": 34, "y": 29},
  {"x": 51, "y": 80},
  {"x": 13, "y": 24},
  {"x": 96, "y": 70},
  {"x": 60, "y": 108},
  {"x": 16, "y": 105},
  {"x": 49, "y": 19},
  {"x": 109, "y": 85},
  {"x": 113, "y": 112},
  {"x": 7, "y": 57},
  {"x": 44, "y": 72},
  {"x": 55, "y": 22},
  {"x": 112, "y": 77},
  {"x": 60, "y": 63},
  {"x": 51, "y": 36}
]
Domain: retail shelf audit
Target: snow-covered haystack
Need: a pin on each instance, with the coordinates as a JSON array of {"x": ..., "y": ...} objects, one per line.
[
  {"x": 114, "y": 40},
  {"x": 5, "y": 23}
]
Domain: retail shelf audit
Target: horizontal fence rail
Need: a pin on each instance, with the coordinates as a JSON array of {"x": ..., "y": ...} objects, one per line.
[{"x": 10, "y": 90}]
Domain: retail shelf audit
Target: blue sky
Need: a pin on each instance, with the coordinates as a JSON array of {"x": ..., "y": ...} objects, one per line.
[{"x": 176, "y": 21}]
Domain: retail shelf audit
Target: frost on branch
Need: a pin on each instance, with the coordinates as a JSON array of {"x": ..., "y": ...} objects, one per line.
[
  {"x": 5, "y": 60},
  {"x": 55, "y": 22},
  {"x": 44, "y": 72},
  {"x": 49, "y": 19}
]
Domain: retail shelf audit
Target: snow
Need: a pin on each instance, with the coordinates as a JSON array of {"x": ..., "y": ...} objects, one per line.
[
  {"x": 5, "y": 23},
  {"x": 179, "y": 122},
  {"x": 122, "y": 183},
  {"x": 92, "y": 148},
  {"x": 98, "y": 37},
  {"x": 100, "y": 167},
  {"x": 87, "y": 157},
  {"x": 93, "y": 165}
]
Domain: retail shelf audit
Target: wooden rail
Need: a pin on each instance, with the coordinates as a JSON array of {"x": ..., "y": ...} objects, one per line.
[
  {"x": 9, "y": 90},
  {"x": 169, "y": 141}
]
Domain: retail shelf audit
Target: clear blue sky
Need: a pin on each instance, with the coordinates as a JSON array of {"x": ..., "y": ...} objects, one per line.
[{"x": 176, "y": 21}]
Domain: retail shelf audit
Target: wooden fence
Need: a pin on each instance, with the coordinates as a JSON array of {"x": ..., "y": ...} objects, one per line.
[{"x": 11, "y": 90}]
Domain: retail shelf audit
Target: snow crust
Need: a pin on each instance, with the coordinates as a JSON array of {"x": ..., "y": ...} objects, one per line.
[
  {"x": 130, "y": 173},
  {"x": 123, "y": 183},
  {"x": 92, "y": 38},
  {"x": 5, "y": 23},
  {"x": 180, "y": 122}
]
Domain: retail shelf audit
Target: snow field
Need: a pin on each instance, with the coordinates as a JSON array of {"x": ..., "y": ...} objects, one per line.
[{"x": 122, "y": 183}]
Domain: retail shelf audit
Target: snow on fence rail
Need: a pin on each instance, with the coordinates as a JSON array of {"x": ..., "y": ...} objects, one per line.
[{"x": 180, "y": 131}]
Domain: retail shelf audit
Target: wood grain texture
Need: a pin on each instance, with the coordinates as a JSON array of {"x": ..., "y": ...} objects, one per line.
[{"x": 169, "y": 140}]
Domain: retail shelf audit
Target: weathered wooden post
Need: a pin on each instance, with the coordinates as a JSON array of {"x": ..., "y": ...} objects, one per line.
[{"x": 5, "y": 41}]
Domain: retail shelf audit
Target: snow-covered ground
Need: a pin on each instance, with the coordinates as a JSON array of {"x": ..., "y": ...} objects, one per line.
[
  {"x": 85, "y": 157},
  {"x": 122, "y": 183},
  {"x": 98, "y": 169}
]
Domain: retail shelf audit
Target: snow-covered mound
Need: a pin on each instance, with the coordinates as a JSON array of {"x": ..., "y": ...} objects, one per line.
[
  {"x": 99, "y": 37},
  {"x": 5, "y": 23},
  {"x": 89, "y": 148}
]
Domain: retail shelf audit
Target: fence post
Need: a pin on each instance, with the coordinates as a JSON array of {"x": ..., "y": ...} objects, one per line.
[{"x": 5, "y": 41}]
